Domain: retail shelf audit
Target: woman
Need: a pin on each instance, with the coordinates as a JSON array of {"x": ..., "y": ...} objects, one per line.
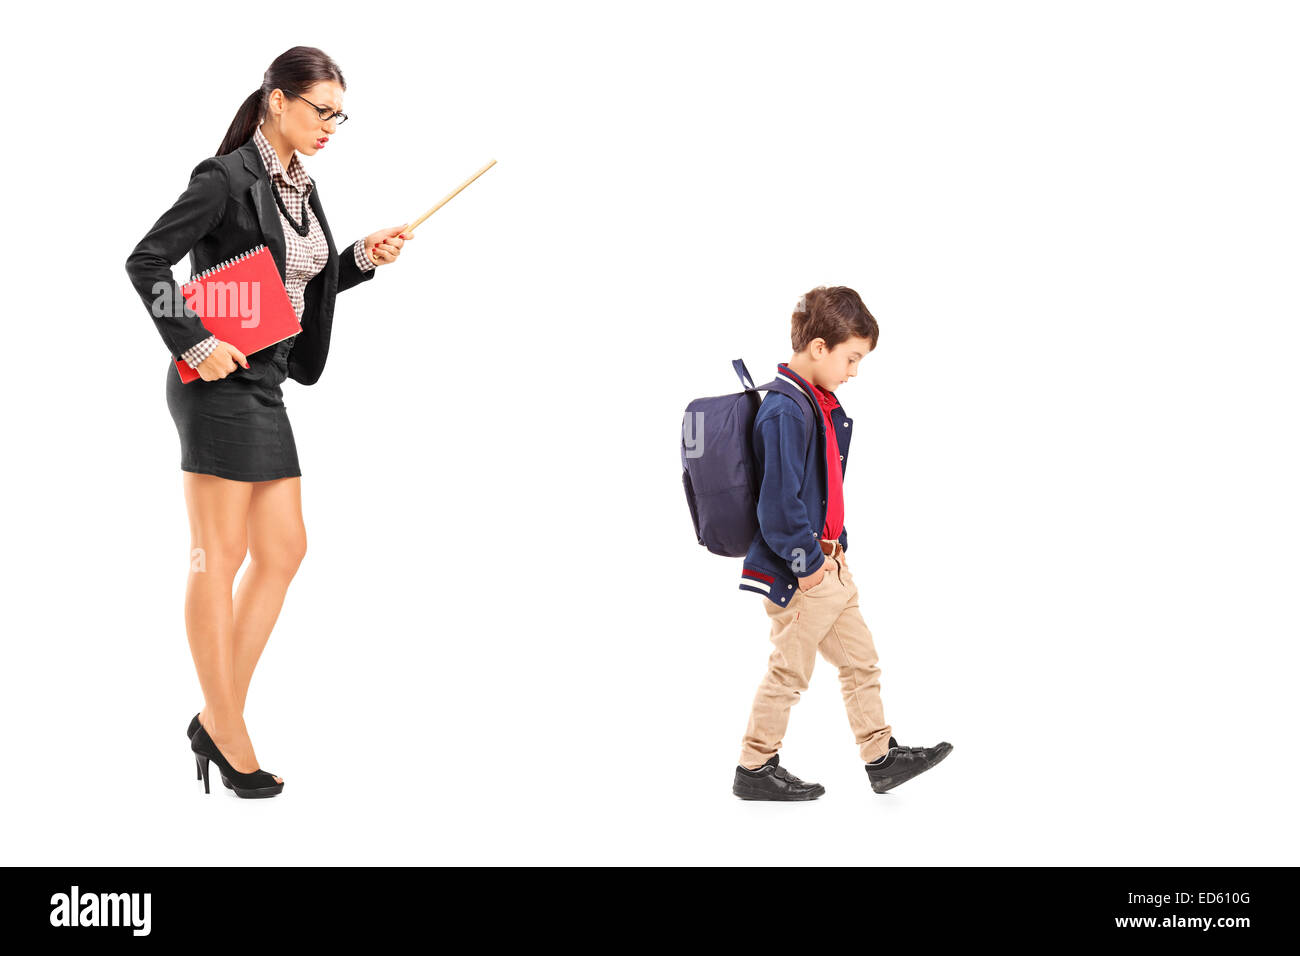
[{"x": 238, "y": 458}]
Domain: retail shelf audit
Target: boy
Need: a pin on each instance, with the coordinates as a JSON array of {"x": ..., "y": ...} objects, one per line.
[{"x": 797, "y": 560}]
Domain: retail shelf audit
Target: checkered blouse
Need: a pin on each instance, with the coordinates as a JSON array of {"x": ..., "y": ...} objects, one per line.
[{"x": 305, "y": 256}]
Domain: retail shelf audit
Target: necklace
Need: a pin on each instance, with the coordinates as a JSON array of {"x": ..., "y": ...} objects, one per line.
[{"x": 301, "y": 229}]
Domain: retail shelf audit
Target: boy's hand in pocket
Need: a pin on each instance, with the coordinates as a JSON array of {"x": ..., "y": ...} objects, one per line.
[{"x": 814, "y": 579}]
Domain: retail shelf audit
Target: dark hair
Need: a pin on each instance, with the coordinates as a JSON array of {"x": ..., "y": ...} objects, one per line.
[
  {"x": 293, "y": 71},
  {"x": 832, "y": 314}
]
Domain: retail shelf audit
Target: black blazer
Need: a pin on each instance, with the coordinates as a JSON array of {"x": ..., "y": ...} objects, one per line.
[{"x": 227, "y": 209}]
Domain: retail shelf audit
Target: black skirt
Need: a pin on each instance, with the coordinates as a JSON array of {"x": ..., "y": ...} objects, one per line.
[{"x": 236, "y": 427}]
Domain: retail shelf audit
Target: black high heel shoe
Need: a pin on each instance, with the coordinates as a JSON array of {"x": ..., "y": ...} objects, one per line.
[
  {"x": 259, "y": 783},
  {"x": 193, "y": 729}
]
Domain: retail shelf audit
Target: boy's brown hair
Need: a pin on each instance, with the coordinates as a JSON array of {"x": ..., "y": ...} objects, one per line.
[{"x": 832, "y": 314}]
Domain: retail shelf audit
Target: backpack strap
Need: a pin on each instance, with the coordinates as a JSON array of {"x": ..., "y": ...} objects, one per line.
[
  {"x": 801, "y": 399},
  {"x": 798, "y": 395},
  {"x": 743, "y": 373}
]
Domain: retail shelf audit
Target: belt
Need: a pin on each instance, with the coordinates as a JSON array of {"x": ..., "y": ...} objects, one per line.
[{"x": 829, "y": 547}]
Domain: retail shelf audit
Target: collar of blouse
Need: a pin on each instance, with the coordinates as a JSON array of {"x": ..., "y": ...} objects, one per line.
[{"x": 296, "y": 176}]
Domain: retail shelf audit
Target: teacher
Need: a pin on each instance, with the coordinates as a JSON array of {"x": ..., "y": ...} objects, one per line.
[{"x": 239, "y": 462}]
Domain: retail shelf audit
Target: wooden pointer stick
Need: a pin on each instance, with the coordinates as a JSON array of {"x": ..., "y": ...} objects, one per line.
[{"x": 411, "y": 228}]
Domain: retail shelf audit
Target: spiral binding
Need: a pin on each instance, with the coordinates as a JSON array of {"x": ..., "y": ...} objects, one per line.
[{"x": 226, "y": 263}]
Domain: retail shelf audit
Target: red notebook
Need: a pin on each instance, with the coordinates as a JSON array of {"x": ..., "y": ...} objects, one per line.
[{"x": 241, "y": 301}]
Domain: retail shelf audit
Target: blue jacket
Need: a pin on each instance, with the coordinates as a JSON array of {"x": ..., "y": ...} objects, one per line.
[{"x": 792, "y": 491}]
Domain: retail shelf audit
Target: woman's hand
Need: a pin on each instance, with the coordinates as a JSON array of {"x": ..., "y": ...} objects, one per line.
[
  {"x": 221, "y": 362},
  {"x": 385, "y": 245}
]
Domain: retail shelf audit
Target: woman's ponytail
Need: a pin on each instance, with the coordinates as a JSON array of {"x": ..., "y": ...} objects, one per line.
[{"x": 245, "y": 121}]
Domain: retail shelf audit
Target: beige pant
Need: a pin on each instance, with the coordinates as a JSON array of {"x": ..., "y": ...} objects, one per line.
[{"x": 824, "y": 618}]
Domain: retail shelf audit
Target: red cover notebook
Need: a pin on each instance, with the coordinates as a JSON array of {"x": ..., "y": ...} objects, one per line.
[{"x": 241, "y": 301}]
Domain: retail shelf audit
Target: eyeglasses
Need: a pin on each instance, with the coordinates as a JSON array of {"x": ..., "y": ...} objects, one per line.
[{"x": 324, "y": 113}]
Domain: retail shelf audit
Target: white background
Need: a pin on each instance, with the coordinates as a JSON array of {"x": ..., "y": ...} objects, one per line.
[{"x": 1071, "y": 497}]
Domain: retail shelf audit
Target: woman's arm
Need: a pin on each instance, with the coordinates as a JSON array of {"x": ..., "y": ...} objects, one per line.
[
  {"x": 377, "y": 249},
  {"x": 195, "y": 213},
  {"x": 355, "y": 266}
]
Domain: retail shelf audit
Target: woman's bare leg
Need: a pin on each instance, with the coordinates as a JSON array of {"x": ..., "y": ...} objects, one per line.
[
  {"x": 218, "y": 511},
  {"x": 277, "y": 542}
]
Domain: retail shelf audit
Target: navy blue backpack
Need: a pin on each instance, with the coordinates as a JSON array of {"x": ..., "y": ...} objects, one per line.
[{"x": 719, "y": 469}]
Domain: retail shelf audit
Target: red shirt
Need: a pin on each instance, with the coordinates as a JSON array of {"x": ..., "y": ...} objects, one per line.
[{"x": 835, "y": 481}]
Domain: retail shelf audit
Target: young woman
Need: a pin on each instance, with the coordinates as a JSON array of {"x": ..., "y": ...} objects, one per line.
[{"x": 238, "y": 459}]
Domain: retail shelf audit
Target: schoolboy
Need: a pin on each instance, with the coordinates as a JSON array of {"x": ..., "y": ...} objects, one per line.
[{"x": 797, "y": 559}]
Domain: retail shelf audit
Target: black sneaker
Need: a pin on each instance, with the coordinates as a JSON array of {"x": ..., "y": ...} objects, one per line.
[
  {"x": 773, "y": 782},
  {"x": 901, "y": 764}
]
